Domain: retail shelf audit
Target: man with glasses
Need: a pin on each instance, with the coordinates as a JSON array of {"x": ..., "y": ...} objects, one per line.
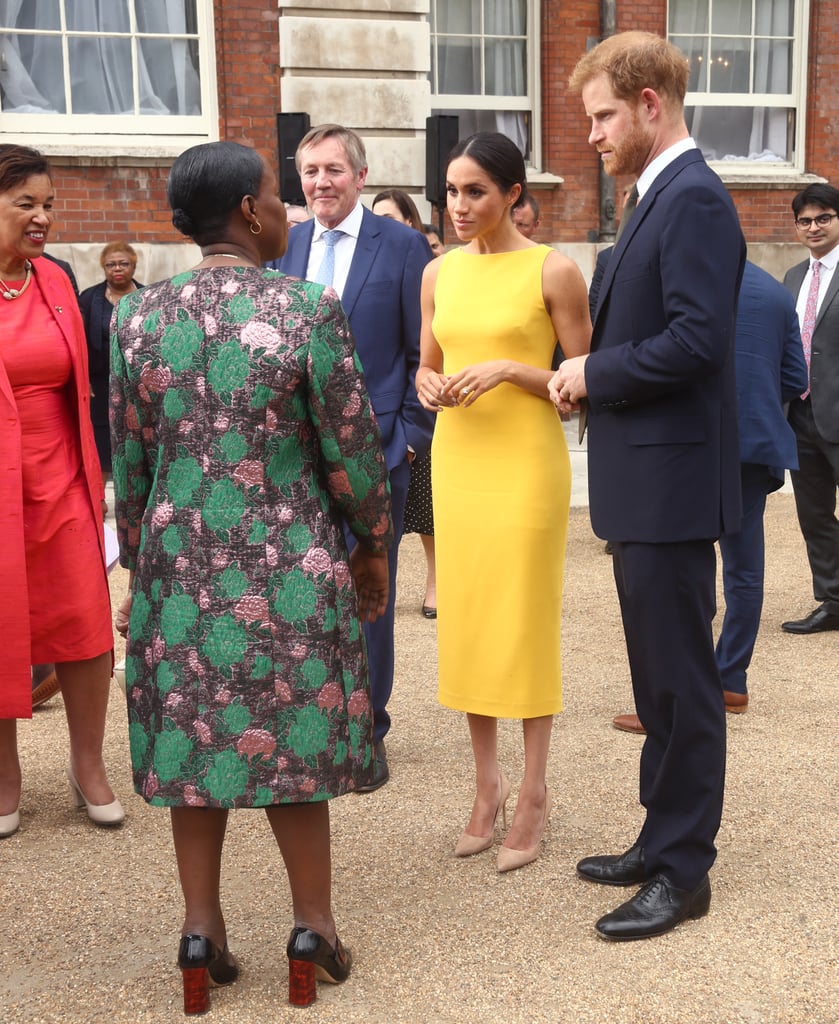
[{"x": 815, "y": 415}]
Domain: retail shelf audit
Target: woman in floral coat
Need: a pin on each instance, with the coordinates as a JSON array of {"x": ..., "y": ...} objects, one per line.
[{"x": 242, "y": 436}]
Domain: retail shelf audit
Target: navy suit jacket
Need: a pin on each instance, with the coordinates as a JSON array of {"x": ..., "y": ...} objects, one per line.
[
  {"x": 770, "y": 371},
  {"x": 664, "y": 463},
  {"x": 824, "y": 357},
  {"x": 382, "y": 302}
]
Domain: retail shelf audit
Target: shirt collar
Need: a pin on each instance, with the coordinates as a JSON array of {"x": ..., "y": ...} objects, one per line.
[
  {"x": 350, "y": 225},
  {"x": 828, "y": 261},
  {"x": 652, "y": 171}
]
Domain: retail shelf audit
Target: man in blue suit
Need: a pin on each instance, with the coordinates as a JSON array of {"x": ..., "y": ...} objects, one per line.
[
  {"x": 664, "y": 468},
  {"x": 375, "y": 265},
  {"x": 770, "y": 373}
]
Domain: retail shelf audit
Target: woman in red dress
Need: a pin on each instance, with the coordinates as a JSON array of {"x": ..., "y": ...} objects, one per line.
[{"x": 54, "y": 601}]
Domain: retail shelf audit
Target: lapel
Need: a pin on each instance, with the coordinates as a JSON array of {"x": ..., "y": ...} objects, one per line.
[
  {"x": 366, "y": 247},
  {"x": 301, "y": 244},
  {"x": 830, "y": 294},
  {"x": 642, "y": 210}
]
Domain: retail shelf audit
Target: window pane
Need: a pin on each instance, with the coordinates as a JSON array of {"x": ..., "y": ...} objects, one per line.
[
  {"x": 100, "y": 70},
  {"x": 743, "y": 133},
  {"x": 505, "y": 17},
  {"x": 460, "y": 66},
  {"x": 688, "y": 16},
  {"x": 730, "y": 67},
  {"x": 506, "y": 67},
  {"x": 170, "y": 72},
  {"x": 732, "y": 17},
  {"x": 44, "y": 15},
  {"x": 168, "y": 16},
  {"x": 773, "y": 65},
  {"x": 695, "y": 48},
  {"x": 32, "y": 75},
  {"x": 82, "y": 16},
  {"x": 462, "y": 17}
]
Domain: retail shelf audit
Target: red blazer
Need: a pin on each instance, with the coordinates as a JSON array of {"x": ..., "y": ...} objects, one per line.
[{"x": 15, "y": 678}]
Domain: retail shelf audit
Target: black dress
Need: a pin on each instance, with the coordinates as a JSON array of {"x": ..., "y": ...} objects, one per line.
[{"x": 96, "y": 314}]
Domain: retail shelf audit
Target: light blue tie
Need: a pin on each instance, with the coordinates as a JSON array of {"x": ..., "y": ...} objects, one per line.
[{"x": 326, "y": 270}]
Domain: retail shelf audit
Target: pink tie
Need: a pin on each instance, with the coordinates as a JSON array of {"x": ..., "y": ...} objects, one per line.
[{"x": 809, "y": 323}]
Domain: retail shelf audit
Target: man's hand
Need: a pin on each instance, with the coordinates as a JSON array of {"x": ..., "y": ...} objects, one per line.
[
  {"x": 369, "y": 573},
  {"x": 568, "y": 384}
]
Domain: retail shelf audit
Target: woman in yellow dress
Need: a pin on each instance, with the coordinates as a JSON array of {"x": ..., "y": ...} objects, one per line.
[{"x": 493, "y": 312}]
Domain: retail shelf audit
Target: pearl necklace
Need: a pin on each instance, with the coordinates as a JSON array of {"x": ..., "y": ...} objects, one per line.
[{"x": 15, "y": 293}]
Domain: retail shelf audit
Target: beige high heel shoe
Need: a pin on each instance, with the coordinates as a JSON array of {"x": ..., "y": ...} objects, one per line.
[
  {"x": 99, "y": 814},
  {"x": 510, "y": 859},
  {"x": 468, "y": 845},
  {"x": 9, "y": 824}
]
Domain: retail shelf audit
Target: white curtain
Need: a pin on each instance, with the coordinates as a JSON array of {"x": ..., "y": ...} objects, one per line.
[
  {"x": 101, "y": 78},
  {"x": 504, "y": 62},
  {"x": 737, "y": 132}
]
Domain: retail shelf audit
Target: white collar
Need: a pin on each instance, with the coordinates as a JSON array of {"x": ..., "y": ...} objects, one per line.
[
  {"x": 652, "y": 170},
  {"x": 350, "y": 225}
]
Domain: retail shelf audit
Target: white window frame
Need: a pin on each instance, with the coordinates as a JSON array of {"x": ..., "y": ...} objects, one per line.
[
  {"x": 529, "y": 104},
  {"x": 141, "y": 134},
  {"x": 795, "y": 99}
]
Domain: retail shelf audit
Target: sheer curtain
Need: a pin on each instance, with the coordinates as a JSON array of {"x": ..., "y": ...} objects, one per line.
[
  {"x": 500, "y": 69},
  {"x": 100, "y": 68},
  {"x": 738, "y": 61}
]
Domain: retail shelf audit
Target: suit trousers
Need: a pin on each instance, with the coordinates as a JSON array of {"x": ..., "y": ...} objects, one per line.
[
  {"x": 379, "y": 634},
  {"x": 743, "y": 562},
  {"x": 814, "y": 485},
  {"x": 667, "y": 596}
]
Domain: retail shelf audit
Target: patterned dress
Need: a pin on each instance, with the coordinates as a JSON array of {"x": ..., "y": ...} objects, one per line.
[{"x": 242, "y": 434}]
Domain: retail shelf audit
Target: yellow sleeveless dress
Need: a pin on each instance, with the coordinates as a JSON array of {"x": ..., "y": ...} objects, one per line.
[{"x": 501, "y": 482}]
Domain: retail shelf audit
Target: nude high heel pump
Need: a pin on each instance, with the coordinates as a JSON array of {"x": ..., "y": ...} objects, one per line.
[
  {"x": 9, "y": 824},
  {"x": 468, "y": 845},
  {"x": 510, "y": 859},
  {"x": 100, "y": 814}
]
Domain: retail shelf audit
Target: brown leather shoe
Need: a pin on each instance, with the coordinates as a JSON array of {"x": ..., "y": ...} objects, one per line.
[
  {"x": 44, "y": 684},
  {"x": 629, "y": 723},
  {"x": 736, "y": 703}
]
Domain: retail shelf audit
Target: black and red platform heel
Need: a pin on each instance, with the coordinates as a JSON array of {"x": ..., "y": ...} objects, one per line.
[{"x": 203, "y": 964}]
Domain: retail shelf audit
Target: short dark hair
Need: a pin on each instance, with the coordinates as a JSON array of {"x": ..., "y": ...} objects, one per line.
[
  {"x": 499, "y": 156},
  {"x": 17, "y": 163},
  {"x": 207, "y": 183},
  {"x": 826, "y": 197},
  {"x": 531, "y": 202}
]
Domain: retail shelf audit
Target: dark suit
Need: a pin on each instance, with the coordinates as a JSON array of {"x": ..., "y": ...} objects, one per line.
[
  {"x": 382, "y": 302},
  {"x": 770, "y": 372},
  {"x": 815, "y": 421},
  {"x": 664, "y": 483}
]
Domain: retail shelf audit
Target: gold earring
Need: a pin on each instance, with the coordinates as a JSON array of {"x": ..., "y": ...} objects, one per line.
[{"x": 259, "y": 229}]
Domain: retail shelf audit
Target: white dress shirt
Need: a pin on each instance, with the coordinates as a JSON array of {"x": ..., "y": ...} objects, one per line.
[
  {"x": 828, "y": 263},
  {"x": 344, "y": 248}
]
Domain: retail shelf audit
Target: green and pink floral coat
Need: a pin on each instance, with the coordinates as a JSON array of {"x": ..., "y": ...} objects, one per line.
[{"x": 242, "y": 436}]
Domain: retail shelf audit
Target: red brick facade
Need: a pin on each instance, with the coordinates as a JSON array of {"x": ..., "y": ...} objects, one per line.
[{"x": 120, "y": 198}]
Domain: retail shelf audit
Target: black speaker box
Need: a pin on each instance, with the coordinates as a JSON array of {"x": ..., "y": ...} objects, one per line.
[
  {"x": 441, "y": 135},
  {"x": 290, "y": 130}
]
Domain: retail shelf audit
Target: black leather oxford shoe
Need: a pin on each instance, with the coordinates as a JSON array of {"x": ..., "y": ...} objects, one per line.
[
  {"x": 657, "y": 907},
  {"x": 381, "y": 770},
  {"x": 624, "y": 869},
  {"x": 819, "y": 621}
]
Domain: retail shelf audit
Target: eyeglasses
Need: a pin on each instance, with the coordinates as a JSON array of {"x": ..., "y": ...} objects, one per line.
[
  {"x": 822, "y": 220},
  {"x": 118, "y": 265}
]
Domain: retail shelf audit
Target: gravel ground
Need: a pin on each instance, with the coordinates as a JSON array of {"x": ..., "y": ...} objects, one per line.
[{"x": 91, "y": 917}]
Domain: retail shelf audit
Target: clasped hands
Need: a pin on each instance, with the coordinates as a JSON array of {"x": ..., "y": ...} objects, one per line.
[
  {"x": 568, "y": 384},
  {"x": 438, "y": 391}
]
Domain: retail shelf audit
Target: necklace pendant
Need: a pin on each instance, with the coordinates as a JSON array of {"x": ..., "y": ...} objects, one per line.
[{"x": 11, "y": 293}]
